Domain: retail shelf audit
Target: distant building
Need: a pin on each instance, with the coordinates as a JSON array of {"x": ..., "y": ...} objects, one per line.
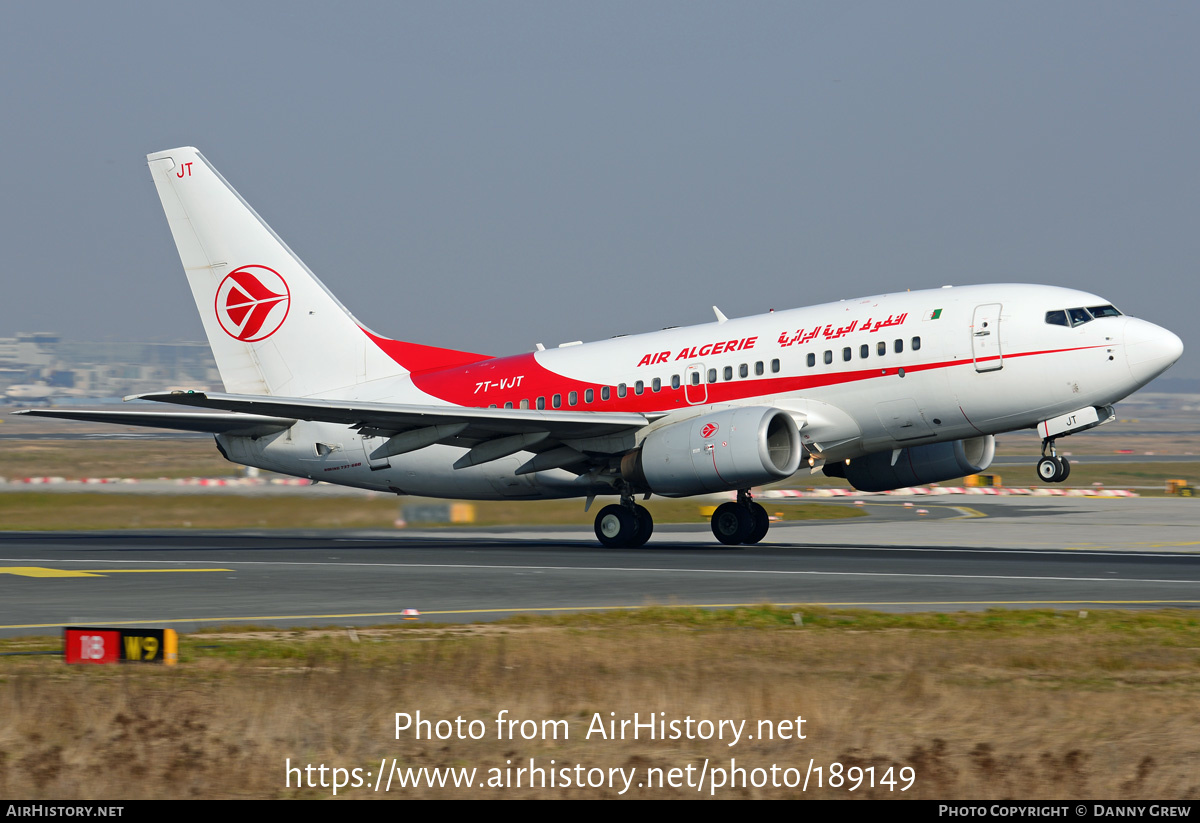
[
  {"x": 104, "y": 369},
  {"x": 36, "y": 349}
]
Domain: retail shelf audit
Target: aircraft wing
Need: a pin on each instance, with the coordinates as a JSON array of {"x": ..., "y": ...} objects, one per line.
[
  {"x": 461, "y": 424},
  {"x": 208, "y": 422}
]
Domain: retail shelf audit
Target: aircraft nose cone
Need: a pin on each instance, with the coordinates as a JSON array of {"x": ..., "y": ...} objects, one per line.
[{"x": 1150, "y": 349}]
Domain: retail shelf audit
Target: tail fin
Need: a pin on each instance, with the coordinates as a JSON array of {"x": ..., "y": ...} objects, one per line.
[{"x": 273, "y": 326}]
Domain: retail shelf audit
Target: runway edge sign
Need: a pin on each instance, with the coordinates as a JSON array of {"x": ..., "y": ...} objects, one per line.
[{"x": 84, "y": 644}]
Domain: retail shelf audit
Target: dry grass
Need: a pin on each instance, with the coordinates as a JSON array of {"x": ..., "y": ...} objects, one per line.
[
  {"x": 41, "y": 511},
  {"x": 987, "y": 706},
  {"x": 1147, "y": 478},
  {"x": 1148, "y": 432},
  {"x": 74, "y": 459},
  {"x": 199, "y": 457},
  {"x": 143, "y": 459}
]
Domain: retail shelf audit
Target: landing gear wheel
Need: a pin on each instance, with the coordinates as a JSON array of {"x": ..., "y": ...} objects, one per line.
[
  {"x": 1049, "y": 470},
  {"x": 732, "y": 524},
  {"x": 1066, "y": 469},
  {"x": 645, "y": 527},
  {"x": 615, "y": 526},
  {"x": 762, "y": 522}
]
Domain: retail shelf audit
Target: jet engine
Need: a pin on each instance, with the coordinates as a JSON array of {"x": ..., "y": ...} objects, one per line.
[
  {"x": 917, "y": 465},
  {"x": 722, "y": 451}
]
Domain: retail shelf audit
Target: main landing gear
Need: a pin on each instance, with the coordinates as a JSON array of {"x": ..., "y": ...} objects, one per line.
[
  {"x": 1052, "y": 468},
  {"x": 624, "y": 526},
  {"x": 743, "y": 522}
]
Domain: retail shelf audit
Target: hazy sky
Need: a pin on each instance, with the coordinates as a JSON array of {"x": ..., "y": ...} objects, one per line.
[{"x": 489, "y": 175}]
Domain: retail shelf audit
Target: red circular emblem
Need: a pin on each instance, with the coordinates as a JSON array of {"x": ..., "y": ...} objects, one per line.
[
  {"x": 709, "y": 430},
  {"x": 252, "y": 303}
]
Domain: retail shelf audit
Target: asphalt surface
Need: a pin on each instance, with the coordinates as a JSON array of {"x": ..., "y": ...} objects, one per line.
[{"x": 970, "y": 553}]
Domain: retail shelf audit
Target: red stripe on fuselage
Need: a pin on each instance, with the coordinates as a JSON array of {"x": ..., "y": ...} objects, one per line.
[{"x": 520, "y": 377}]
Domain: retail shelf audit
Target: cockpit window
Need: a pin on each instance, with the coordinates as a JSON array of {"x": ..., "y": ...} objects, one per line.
[{"x": 1079, "y": 316}]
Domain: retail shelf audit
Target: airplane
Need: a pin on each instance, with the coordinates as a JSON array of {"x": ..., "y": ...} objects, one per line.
[
  {"x": 887, "y": 392},
  {"x": 32, "y": 392}
]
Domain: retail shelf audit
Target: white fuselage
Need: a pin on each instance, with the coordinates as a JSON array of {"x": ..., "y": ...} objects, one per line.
[{"x": 860, "y": 376}]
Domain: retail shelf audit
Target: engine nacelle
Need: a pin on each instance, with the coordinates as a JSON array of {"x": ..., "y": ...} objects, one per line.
[
  {"x": 917, "y": 465},
  {"x": 731, "y": 449}
]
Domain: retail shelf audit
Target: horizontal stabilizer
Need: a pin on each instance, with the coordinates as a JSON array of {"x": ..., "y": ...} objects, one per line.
[{"x": 245, "y": 425}]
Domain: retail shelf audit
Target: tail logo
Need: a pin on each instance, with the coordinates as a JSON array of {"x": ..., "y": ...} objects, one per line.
[{"x": 252, "y": 303}]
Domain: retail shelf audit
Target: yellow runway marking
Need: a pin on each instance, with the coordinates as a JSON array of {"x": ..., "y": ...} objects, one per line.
[
  {"x": 36, "y": 571},
  {"x": 39, "y": 571},
  {"x": 584, "y": 609}
]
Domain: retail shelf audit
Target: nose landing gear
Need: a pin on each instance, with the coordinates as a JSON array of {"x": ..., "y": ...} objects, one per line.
[{"x": 1052, "y": 468}]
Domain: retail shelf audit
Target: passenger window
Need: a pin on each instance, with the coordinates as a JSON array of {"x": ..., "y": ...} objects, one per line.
[
  {"x": 729, "y": 372},
  {"x": 621, "y": 390},
  {"x": 589, "y": 395},
  {"x": 899, "y": 347},
  {"x": 864, "y": 351},
  {"x": 674, "y": 381},
  {"x": 492, "y": 406},
  {"x": 541, "y": 402},
  {"x": 916, "y": 344},
  {"x": 812, "y": 360},
  {"x": 881, "y": 348},
  {"x": 695, "y": 378},
  {"x": 775, "y": 366},
  {"x": 556, "y": 401},
  {"x": 712, "y": 375},
  {"x": 524, "y": 403},
  {"x": 573, "y": 398},
  {"x": 508, "y": 405},
  {"x": 657, "y": 384},
  {"x": 828, "y": 357},
  {"x": 847, "y": 353},
  {"x": 639, "y": 387},
  {"x": 744, "y": 370},
  {"x": 605, "y": 392},
  {"x": 758, "y": 367}
]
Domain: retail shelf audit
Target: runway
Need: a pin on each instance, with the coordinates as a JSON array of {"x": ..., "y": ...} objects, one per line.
[{"x": 1010, "y": 552}]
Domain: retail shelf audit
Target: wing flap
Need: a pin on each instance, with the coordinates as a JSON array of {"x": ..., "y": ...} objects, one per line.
[{"x": 394, "y": 418}]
